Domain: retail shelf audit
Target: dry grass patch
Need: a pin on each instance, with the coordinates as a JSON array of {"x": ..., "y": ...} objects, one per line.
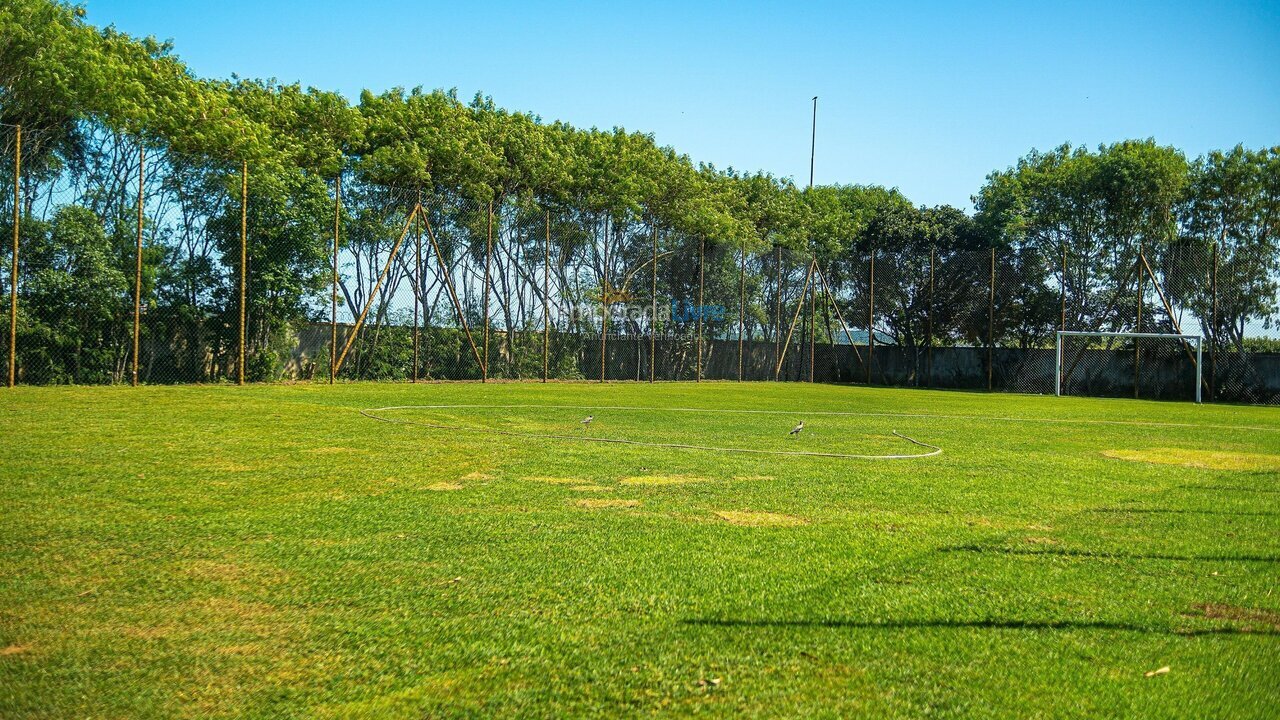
[
  {"x": 1203, "y": 459},
  {"x": 757, "y": 478},
  {"x": 590, "y": 488},
  {"x": 444, "y": 486},
  {"x": 661, "y": 479},
  {"x": 477, "y": 475},
  {"x": 598, "y": 503},
  {"x": 1250, "y": 616},
  {"x": 753, "y": 518},
  {"x": 553, "y": 480},
  {"x": 15, "y": 649}
]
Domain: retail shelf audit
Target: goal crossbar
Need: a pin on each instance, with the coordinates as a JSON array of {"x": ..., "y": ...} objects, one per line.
[{"x": 1197, "y": 340}]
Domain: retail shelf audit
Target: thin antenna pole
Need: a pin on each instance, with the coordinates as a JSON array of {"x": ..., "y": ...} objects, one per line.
[
  {"x": 928, "y": 382},
  {"x": 813, "y": 317},
  {"x": 813, "y": 139},
  {"x": 137, "y": 274},
  {"x": 13, "y": 274}
]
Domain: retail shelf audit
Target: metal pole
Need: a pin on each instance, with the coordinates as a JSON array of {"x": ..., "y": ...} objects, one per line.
[
  {"x": 1062, "y": 293},
  {"x": 546, "y": 295},
  {"x": 418, "y": 304},
  {"x": 813, "y": 325},
  {"x": 333, "y": 295},
  {"x": 777, "y": 321},
  {"x": 742, "y": 305},
  {"x": 1057, "y": 368},
  {"x": 1212, "y": 332},
  {"x": 928, "y": 381},
  {"x": 604, "y": 300},
  {"x": 813, "y": 139},
  {"x": 991, "y": 321},
  {"x": 488, "y": 254},
  {"x": 1199, "y": 367},
  {"x": 13, "y": 273},
  {"x": 653, "y": 309},
  {"x": 871, "y": 316},
  {"x": 702, "y": 243},
  {"x": 244, "y": 258},
  {"x": 1137, "y": 343},
  {"x": 137, "y": 274}
]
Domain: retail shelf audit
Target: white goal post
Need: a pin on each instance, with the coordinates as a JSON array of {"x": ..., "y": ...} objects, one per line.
[{"x": 1187, "y": 340}]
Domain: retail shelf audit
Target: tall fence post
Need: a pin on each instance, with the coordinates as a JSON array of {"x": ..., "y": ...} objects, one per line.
[
  {"x": 702, "y": 249},
  {"x": 333, "y": 290},
  {"x": 777, "y": 293},
  {"x": 928, "y": 380},
  {"x": 546, "y": 295},
  {"x": 604, "y": 300},
  {"x": 1213, "y": 326},
  {"x": 871, "y": 315},
  {"x": 991, "y": 321},
  {"x": 13, "y": 273},
  {"x": 137, "y": 271},
  {"x": 653, "y": 309},
  {"x": 742, "y": 305},
  {"x": 1137, "y": 342},
  {"x": 244, "y": 259},
  {"x": 813, "y": 320},
  {"x": 1062, "y": 290},
  {"x": 419, "y": 305},
  {"x": 488, "y": 255}
]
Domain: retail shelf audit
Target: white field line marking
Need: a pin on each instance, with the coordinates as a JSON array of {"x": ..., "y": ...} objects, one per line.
[
  {"x": 838, "y": 413},
  {"x": 371, "y": 413}
]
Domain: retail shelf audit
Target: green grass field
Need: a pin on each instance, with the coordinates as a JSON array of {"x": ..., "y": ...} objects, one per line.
[{"x": 268, "y": 551}]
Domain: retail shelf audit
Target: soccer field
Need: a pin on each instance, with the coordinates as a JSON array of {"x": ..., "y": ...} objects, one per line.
[{"x": 272, "y": 551}]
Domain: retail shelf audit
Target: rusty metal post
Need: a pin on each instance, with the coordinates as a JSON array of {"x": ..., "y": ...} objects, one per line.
[
  {"x": 1137, "y": 342},
  {"x": 546, "y": 295},
  {"x": 137, "y": 272},
  {"x": 777, "y": 294},
  {"x": 244, "y": 258},
  {"x": 742, "y": 305},
  {"x": 604, "y": 300},
  {"x": 13, "y": 273},
  {"x": 333, "y": 290},
  {"x": 702, "y": 244},
  {"x": 813, "y": 321},
  {"x": 871, "y": 316},
  {"x": 488, "y": 255},
  {"x": 991, "y": 321},
  {"x": 1212, "y": 324},
  {"x": 418, "y": 304},
  {"x": 928, "y": 380},
  {"x": 653, "y": 309}
]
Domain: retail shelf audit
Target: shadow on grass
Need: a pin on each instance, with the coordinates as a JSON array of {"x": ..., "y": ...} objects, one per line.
[
  {"x": 1178, "y": 511},
  {"x": 1093, "y": 555},
  {"x": 991, "y": 624},
  {"x": 1228, "y": 488}
]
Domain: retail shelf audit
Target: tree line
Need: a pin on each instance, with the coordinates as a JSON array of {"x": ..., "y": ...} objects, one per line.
[{"x": 1071, "y": 227}]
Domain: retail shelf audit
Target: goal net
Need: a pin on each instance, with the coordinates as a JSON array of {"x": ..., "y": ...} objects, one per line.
[{"x": 1154, "y": 366}]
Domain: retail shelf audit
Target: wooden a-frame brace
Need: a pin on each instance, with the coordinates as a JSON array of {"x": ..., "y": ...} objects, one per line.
[{"x": 418, "y": 211}]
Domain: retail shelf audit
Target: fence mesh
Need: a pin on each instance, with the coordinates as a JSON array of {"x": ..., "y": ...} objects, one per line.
[{"x": 367, "y": 281}]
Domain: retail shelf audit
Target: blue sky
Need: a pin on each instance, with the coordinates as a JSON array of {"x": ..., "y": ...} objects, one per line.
[{"x": 928, "y": 98}]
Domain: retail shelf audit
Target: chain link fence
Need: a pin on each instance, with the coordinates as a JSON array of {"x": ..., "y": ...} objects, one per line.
[{"x": 137, "y": 264}]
